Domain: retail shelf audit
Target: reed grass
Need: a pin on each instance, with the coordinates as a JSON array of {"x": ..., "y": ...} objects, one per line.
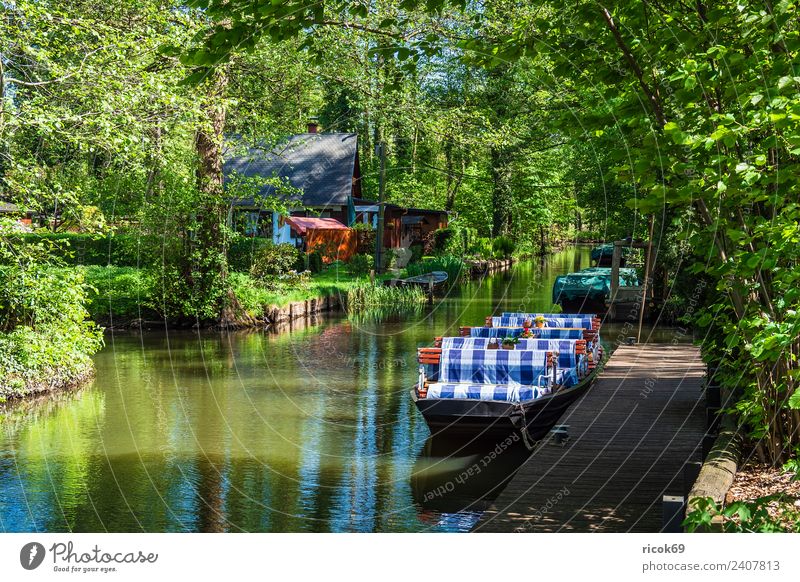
[{"x": 368, "y": 297}]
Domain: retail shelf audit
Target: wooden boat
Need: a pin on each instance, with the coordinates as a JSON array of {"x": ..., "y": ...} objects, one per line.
[
  {"x": 491, "y": 419},
  {"x": 488, "y": 417},
  {"x": 432, "y": 279}
]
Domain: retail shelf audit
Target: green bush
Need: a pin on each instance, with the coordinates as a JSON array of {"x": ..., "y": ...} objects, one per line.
[
  {"x": 46, "y": 341},
  {"x": 481, "y": 247},
  {"x": 360, "y": 264},
  {"x": 366, "y": 238},
  {"x": 417, "y": 250},
  {"x": 315, "y": 262},
  {"x": 242, "y": 251},
  {"x": 120, "y": 291},
  {"x": 442, "y": 238},
  {"x": 503, "y": 247},
  {"x": 72, "y": 248},
  {"x": 271, "y": 260}
]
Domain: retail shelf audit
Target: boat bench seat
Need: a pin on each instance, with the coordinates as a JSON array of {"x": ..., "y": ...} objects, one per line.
[
  {"x": 539, "y": 332},
  {"x": 568, "y": 352},
  {"x": 588, "y": 322},
  {"x": 498, "y": 392}
]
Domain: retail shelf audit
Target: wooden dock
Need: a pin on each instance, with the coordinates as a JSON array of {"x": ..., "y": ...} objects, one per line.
[{"x": 630, "y": 437}]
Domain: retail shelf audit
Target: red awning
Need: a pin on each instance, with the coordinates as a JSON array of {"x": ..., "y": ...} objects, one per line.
[{"x": 302, "y": 223}]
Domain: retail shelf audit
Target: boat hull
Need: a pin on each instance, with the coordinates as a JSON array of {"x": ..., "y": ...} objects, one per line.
[{"x": 478, "y": 418}]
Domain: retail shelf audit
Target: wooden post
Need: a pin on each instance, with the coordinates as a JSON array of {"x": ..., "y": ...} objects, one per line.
[
  {"x": 673, "y": 508},
  {"x": 646, "y": 277},
  {"x": 616, "y": 256},
  {"x": 712, "y": 419},
  {"x": 381, "y": 151},
  {"x": 713, "y": 395}
]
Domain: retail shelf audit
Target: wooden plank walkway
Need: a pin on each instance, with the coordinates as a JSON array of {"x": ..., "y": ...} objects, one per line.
[{"x": 630, "y": 437}]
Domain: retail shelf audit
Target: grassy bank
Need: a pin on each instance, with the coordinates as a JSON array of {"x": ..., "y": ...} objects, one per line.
[
  {"x": 127, "y": 293},
  {"x": 36, "y": 363}
]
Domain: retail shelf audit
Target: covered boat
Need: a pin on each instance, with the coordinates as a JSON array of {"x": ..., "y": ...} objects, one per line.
[
  {"x": 602, "y": 255},
  {"x": 472, "y": 385},
  {"x": 590, "y": 286},
  {"x": 432, "y": 279}
]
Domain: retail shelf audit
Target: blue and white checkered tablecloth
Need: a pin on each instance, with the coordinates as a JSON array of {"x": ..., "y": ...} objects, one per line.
[
  {"x": 503, "y": 393},
  {"x": 482, "y": 366}
]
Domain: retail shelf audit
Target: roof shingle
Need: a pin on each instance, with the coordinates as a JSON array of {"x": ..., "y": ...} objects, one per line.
[{"x": 319, "y": 164}]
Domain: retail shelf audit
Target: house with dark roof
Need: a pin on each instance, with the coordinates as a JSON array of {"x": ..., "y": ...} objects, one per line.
[
  {"x": 402, "y": 227},
  {"x": 324, "y": 173},
  {"x": 10, "y": 210},
  {"x": 321, "y": 168}
]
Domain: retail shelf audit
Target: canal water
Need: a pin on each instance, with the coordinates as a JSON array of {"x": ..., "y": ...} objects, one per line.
[{"x": 308, "y": 430}]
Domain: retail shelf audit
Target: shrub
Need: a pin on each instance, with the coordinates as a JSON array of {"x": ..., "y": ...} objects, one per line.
[
  {"x": 271, "y": 260},
  {"x": 366, "y": 238},
  {"x": 315, "y": 262},
  {"x": 243, "y": 250},
  {"x": 481, "y": 247},
  {"x": 45, "y": 339},
  {"x": 121, "y": 291},
  {"x": 360, "y": 264},
  {"x": 417, "y": 250},
  {"x": 503, "y": 246},
  {"x": 442, "y": 238}
]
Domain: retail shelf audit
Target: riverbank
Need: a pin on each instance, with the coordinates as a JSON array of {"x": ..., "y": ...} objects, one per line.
[
  {"x": 124, "y": 296},
  {"x": 42, "y": 361},
  {"x": 338, "y": 302},
  {"x": 48, "y": 382}
]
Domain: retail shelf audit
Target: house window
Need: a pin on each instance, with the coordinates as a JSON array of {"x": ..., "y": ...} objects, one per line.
[{"x": 253, "y": 223}]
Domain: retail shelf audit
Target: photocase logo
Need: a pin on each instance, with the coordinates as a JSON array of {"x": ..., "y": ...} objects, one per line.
[{"x": 31, "y": 555}]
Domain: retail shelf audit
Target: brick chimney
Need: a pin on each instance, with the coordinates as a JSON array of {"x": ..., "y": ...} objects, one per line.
[{"x": 313, "y": 125}]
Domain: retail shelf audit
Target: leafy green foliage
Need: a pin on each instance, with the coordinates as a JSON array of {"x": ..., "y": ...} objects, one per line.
[
  {"x": 315, "y": 262},
  {"x": 503, "y": 247},
  {"x": 443, "y": 239},
  {"x": 46, "y": 341},
  {"x": 745, "y": 516},
  {"x": 243, "y": 250},
  {"x": 121, "y": 292},
  {"x": 122, "y": 250},
  {"x": 360, "y": 264},
  {"x": 271, "y": 260}
]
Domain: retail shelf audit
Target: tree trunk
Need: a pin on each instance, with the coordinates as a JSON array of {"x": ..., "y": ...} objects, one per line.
[
  {"x": 501, "y": 195},
  {"x": 210, "y": 269}
]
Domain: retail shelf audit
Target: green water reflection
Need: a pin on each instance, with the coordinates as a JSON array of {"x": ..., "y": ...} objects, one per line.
[{"x": 310, "y": 430}]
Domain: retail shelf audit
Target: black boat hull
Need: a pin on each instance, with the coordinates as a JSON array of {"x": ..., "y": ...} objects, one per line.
[{"x": 478, "y": 418}]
